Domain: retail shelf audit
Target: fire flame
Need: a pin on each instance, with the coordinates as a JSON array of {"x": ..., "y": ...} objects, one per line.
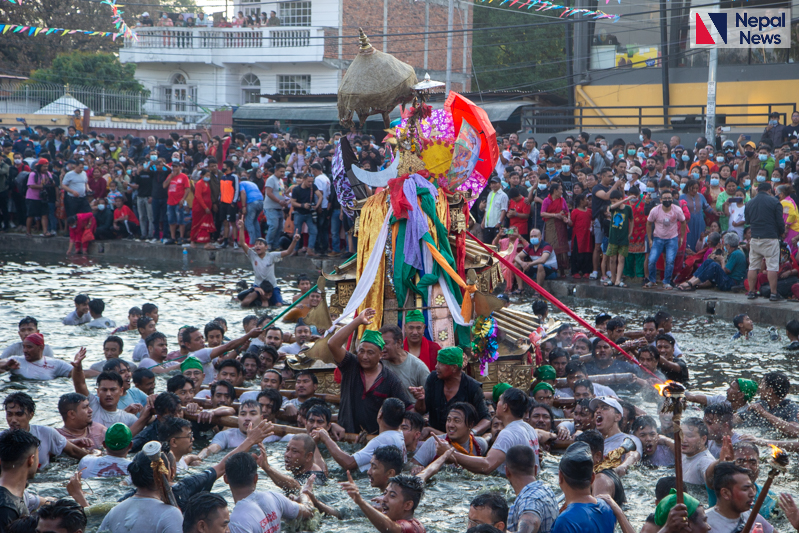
[
  {"x": 661, "y": 387},
  {"x": 775, "y": 451}
]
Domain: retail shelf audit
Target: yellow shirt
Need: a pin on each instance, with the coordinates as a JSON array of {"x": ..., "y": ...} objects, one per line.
[{"x": 789, "y": 210}]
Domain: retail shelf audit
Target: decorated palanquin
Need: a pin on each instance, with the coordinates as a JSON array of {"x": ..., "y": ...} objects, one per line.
[{"x": 410, "y": 221}]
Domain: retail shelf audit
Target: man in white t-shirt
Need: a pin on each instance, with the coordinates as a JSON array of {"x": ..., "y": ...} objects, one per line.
[
  {"x": 33, "y": 364},
  {"x": 27, "y": 326},
  {"x": 695, "y": 455},
  {"x": 258, "y": 511},
  {"x": 263, "y": 266},
  {"x": 20, "y": 409},
  {"x": 389, "y": 419},
  {"x": 608, "y": 413},
  {"x": 249, "y": 415},
  {"x": 157, "y": 350},
  {"x": 115, "y": 463},
  {"x": 79, "y": 315},
  {"x": 735, "y": 494},
  {"x": 195, "y": 342},
  {"x": 96, "y": 308},
  {"x": 511, "y": 408},
  {"x": 146, "y": 327},
  {"x": 505, "y": 156}
]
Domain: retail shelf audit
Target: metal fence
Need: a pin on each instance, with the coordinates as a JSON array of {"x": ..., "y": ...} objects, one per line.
[{"x": 52, "y": 99}]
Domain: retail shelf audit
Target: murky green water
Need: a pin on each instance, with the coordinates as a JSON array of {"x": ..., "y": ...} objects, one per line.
[{"x": 43, "y": 287}]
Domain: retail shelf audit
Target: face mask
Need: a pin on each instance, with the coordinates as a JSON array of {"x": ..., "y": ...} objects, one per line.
[
  {"x": 234, "y": 158},
  {"x": 550, "y": 169},
  {"x": 275, "y": 148},
  {"x": 175, "y": 160},
  {"x": 113, "y": 148},
  {"x": 153, "y": 158},
  {"x": 101, "y": 207},
  {"x": 122, "y": 159},
  {"x": 542, "y": 186},
  {"x": 650, "y": 190},
  {"x": 761, "y": 179},
  {"x": 630, "y": 152},
  {"x": 714, "y": 182},
  {"x": 630, "y": 176},
  {"x": 782, "y": 163},
  {"x": 558, "y": 150},
  {"x": 206, "y": 179},
  {"x": 772, "y": 122},
  {"x": 762, "y": 157},
  {"x": 747, "y": 182},
  {"x": 735, "y": 166},
  {"x": 720, "y": 159},
  {"x": 534, "y": 241},
  {"x": 36, "y": 143},
  {"x": 580, "y": 154},
  {"x": 358, "y": 149},
  {"x": 667, "y": 203},
  {"x": 605, "y": 146},
  {"x": 682, "y": 186},
  {"x": 641, "y": 138},
  {"x": 621, "y": 155},
  {"x": 685, "y": 157},
  {"x": 565, "y": 168},
  {"x": 129, "y": 172},
  {"x": 775, "y": 179},
  {"x": 641, "y": 155},
  {"x": 254, "y": 164},
  {"x": 695, "y": 175}
]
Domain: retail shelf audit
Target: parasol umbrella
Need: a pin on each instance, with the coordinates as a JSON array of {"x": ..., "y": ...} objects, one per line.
[
  {"x": 463, "y": 109},
  {"x": 375, "y": 83}
]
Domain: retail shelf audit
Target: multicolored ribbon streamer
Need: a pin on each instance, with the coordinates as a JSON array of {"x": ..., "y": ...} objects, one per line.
[
  {"x": 119, "y": 24},
  {"x": 34, "y": 31},
  {"x": 546, "y": 5}
]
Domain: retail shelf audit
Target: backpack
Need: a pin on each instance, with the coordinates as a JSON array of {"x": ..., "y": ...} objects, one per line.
[{"x": 22, "y": 181}]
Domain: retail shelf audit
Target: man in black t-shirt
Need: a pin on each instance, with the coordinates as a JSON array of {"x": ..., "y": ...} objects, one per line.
[
  {"x": 142, "y": 182},
  {"x": 306, "y": 199},
  {"x": 19, "y": 460},
  {"x": 600, "y": 199}
]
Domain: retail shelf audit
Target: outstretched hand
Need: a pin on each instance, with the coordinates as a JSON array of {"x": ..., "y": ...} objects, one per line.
[
  {"x": 351, "y": 488},
  {"x": 77, "y": 363}
]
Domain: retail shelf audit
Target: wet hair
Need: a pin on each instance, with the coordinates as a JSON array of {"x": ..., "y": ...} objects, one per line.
[
  {"x": 572, "y": 367},
  {"x": 154, "y": 337},
  {"x": 495, "y": 502},
  {"x": 649, "y": 319},
  {"x": 171, "y": 426},
  {"x": 664, "y": 486},
  {"x": 69, "y": 402},
  {"x": 393, "y": 409},
  {"x": 557, "y": 353},
  {"x": 16, "y": 446},
  {"x": 166, "y": 403},
  {"x": 415, "y": 420},
  {"x": 540, "y": 307},
  {"x": 642, "y": 422},
  {"x": 109, "y": 376},
  {"x": 650, "y": 350},
  {"x": 483, "y": 528},
  {"x": 313, "y": 377},
  {"x": 135, "y": 311},
  {"x": 720, "y": 410},
  {"x": 221, "y": 320},
  {"x": 29, "y": 320},
  {"x": 395, "y": 331},
  {"x": 140, "y": 374},
  {"x": 148, "y": 308},
  {"x": 614, "y": 323},
  {"x": 23, "y": 524},
  {"x": 628, "y": 418},
  {"x": 230, "y": 389},
  {"x": 594, "y": 439},
  {"x": 309, "y": 403},
  {"x": 778, "y": 382},
  {"x": 81, "y": 299},
  {"x": 113, "y": 365},
  {"x": 411, "y": 487},
  {"x": 792, "y": 327},
  {"x": 468, "y": 410},
  {"x": 279, "y": 375},
  {"x": 665, "y": 337},
  {"x": 185, "y": 333},
  {"x": 272, "y": 353},
  {"x": 97, "y": 306},
  {"x": 537, "y": 405},
  {"x": 250, "y": 355},
  {"x": 724, "y": 475},
  {"x": 698, "y": 424},
  {"x": 230, "y": 363},
  {"x": 247, "y": 319},
  {"x": 275, "y": 396},
  {"x": 320, "y": 410},
  {"x": 743, "y": 445},
  {"x": 176, "y": 383},
  {"x": 239, "y": 469},
  {"x": 661, "y": 317},
  {"x": 517, "y": 401},
  {"x": 201, "y": 507},
  {"x": 213, "y": 326},
  {"x": 737, "y": 320},
  {"x": 116, "y": 339},
  {"x": 520, "y": 460},
  {"x": 21, "y": 399},
  {"x": 390, "y": 457},
  {"x": 584, "y": 383},
  {"x": 142, "y": 322}
]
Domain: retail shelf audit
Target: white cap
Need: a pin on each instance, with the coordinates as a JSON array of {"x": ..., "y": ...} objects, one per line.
[
  {"x": 145, "y": 14},
  {"x": 607, "y": 400}
]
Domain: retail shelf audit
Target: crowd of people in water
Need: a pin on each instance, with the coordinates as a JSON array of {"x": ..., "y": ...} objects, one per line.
[{"x": 410, "y": 407}]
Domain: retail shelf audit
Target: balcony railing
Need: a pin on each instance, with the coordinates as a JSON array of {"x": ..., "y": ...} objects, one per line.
[{"x": 204, "y": 38}]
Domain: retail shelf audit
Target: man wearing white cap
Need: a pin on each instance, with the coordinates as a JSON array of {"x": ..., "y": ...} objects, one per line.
[{"x": 608, "y": 414}]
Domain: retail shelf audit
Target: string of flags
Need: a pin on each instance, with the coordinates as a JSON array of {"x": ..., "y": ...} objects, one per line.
[
  {"x": 32, "y": 31},
  {"x": 546, "y": 5}
]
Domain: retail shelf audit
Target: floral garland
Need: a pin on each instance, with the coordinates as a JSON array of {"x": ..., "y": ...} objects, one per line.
[{"x": 484, "y": 342}]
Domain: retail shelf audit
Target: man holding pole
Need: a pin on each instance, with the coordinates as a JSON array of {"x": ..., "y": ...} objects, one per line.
[{"x": 735, "y": 493}]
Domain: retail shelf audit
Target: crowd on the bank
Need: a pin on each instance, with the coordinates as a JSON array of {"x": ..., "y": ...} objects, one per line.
[
  {"x": 414, "y": 406},
  {"x": 695, "y": 215},
  {"x": 201, "y": 20}
]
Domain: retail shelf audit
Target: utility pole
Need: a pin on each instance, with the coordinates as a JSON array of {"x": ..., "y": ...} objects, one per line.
[
  {"x": 712, "y": 67},
  {"x": 450, "y": 15},
  {"x": 664, "y": 61}
]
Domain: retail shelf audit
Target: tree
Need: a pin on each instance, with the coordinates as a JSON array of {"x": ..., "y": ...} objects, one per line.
[
  {"x": 526, "y": 58},
  {"x": 86, "y": 68}
]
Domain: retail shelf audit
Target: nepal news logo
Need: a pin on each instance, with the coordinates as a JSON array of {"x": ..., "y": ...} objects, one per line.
[{"x": 741, "y": 28}]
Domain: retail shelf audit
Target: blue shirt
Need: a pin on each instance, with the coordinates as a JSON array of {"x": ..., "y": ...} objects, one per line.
[
  {"x": 538, "y": 499},
  {"x": 133, "y": 395},
  {"x": 253, "y": 194},
  {"x": 736, "y": 264},
  {"x": 583, "y": 517}
]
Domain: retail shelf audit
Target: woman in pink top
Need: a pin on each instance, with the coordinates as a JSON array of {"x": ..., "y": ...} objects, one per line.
[
  {"x": 664, "y": 227},
  {"x": 38, "y": 179}
]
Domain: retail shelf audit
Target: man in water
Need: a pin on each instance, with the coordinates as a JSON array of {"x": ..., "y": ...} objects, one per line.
[
  {"x": 652, "y": 453},
  {"x": 157, "y": 350},
  {"x": 79, "y": 315},
  {"x": 416, "y": 343},
  {"x": 193, "y": 339},
  {"x": 249, "y": 416},
  {"x": 735, "y": 493},
  {"x": 489, "y": 508},
  {"x": 301, "y": 335},
  {"x": 206, "y": 513},
  {"x": 606, "y": 481},
  {"x": 79, "y": 429},
  {"x": 61, "y": 516},
  {"x": 27, "y": 326},
  {"x": 397, "y": 506},
  {"x": 114, "y": 463},
  {"x": 112, "y": 349},
  {"x": 146, "y": 327},
  {"x": 20, "y": 409},
  {"x": 535, "y": 507},
  {"x": 409, "y": 368},
  {"x": 774, "y": 409},
  {"x": 461, "y": 419},
  {"x": 96, "y": 308},
  {"x": 718, "y": 419},
  {"x": 305, "y": 386},
  {"x": 19, "y": 460},
  {"x": 263, "y": 265},
  {"x": 608, "y": 413},
  {"x": 34, "y": 364},
  {"x": 299, "y": 460}
]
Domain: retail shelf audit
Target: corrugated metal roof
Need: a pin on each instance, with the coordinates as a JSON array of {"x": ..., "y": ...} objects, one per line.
[{"x": 328, "y": 112}]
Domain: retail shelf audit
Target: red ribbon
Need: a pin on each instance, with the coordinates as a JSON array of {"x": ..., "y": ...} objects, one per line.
[{"x": 557, "y": 303}]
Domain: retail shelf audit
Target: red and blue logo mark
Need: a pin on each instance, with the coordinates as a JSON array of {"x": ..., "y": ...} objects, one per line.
[{"x": 719, "y": 21}]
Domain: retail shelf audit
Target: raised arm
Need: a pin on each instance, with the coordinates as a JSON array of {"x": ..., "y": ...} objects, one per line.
[
  {"x": 235, "y": 343},
  {"x": 345, "y": 460},
  {"x": 378, "y": 519},
  {"x": 280, "y": 479},
  {"x": 78, "y": 378},
  {"x": 337, "y": 340}
]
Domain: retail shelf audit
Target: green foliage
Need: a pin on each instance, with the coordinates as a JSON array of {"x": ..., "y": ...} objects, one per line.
[
  {"x": 87, "y": 68},
  {"x": 531, "y": 58}
]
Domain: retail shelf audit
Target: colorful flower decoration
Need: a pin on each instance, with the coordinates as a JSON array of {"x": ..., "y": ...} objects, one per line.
[{"x": 484, "y": 342}]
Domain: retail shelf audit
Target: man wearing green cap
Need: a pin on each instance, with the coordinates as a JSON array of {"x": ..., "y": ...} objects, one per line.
[
  {"x": 193, "y": 369},
  {"x": 738, "y": 395},
  {"x": 365, "y": 381},
  {"x": 117, "y": 444},
  {"x": 691, "y": 511},
  {"x": 448, "y": 385},
  {"x": 415, "y": 341}
]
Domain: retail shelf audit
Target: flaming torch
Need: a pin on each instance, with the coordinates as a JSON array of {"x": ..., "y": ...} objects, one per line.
[
  {"x": 160, "y": 472},
  {"x": 779, "y": 464},
  {"x": 674, "y": 403}
]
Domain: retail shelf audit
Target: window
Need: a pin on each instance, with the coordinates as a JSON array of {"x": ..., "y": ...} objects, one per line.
[
  {"x": 250, "y": 89},
  {"x": 295, "y": 14},
  {"x": 294, "y": 84},
  {"x": 253, "y": 12},
  {"x": 179, "y": 96}
]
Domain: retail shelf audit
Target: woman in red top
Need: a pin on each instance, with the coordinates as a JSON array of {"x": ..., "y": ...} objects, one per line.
[
  {"x": 582, "y": 243},
  {"x": 637, "y": 263},
  {"x": 81, "y": 231},
  {"x": 555, "y": 213},
  {"x": 202, "y": 218},
  {"x": 125, "y": 219}
]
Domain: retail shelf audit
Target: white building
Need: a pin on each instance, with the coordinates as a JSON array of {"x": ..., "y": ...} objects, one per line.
[{"x": 189, "y": 69}]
